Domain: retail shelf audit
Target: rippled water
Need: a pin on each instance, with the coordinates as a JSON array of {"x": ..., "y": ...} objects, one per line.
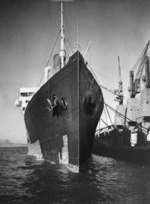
[{"x": 104, "y": 180}]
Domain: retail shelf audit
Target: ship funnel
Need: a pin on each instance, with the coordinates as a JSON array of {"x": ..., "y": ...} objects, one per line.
[
  {"x": 46, "y": 73},
  {"x": 56, "y": 63}
]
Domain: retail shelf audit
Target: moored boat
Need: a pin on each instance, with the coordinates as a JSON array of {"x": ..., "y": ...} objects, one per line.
[{"x": 128, "y": 137}]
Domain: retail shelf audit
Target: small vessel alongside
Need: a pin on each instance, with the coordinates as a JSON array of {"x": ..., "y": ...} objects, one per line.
[
  {"x": 62, "y": 115},
  {"x": 128, "y": 138}
]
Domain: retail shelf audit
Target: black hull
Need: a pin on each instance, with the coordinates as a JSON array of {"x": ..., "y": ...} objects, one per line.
[
  {"x": 66, "y": 131},
  {"x": 137, "y": 154}
]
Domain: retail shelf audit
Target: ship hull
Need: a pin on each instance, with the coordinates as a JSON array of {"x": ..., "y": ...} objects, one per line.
[
  {"x": 118, "y": 146},
  {"x": 62, "y": 116}
]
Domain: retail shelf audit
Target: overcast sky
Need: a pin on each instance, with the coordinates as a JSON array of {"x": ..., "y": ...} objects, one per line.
[{"x": 29, "y": 28}]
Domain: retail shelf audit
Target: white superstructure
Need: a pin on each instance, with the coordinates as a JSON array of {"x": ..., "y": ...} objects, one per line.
[{"x": 25, "y": 95}]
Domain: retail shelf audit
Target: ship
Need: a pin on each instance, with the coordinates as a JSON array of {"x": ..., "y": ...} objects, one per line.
[
  {"x": 61, "y": 116},
  {"x": 128, "y": 137}
]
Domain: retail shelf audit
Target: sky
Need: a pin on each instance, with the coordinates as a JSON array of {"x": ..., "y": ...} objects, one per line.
[{"x": 29, "y": 28}]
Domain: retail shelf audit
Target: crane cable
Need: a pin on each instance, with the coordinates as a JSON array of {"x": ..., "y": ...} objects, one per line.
[{"x": 122, "y": 116}]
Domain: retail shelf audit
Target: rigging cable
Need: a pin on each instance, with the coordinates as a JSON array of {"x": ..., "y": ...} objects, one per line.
[
  {"x": 122, "y": 116},
  {"x": 67, "y": 27},
  {"x": 69, "y": 43},
  {"x": 108, "y": 114},
  {"x": 41, "y": 79},
  {"x": 53, "y": 48},
  {"x": 49, "y": 40},
  {"x": 104, "y": 122},
  {"x": 105, "y": 114},
  {"x": 50, "y": 57}
]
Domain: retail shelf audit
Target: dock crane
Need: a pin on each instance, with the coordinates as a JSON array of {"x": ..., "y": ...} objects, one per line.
[
  {"x": 119, "y": 119},
  {"x": 117, "y": 92},
  {"x": 142, "y": 62}
]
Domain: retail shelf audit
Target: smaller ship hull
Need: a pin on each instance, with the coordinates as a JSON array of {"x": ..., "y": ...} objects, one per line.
[
  {"x": 129, "y": 137},
  {"x": 139, "y": 155},
  {"x": 118, "y": 146}
]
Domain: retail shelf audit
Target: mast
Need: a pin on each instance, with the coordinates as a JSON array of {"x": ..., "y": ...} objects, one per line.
[
  {"x": 62, "y": 52},
  {"x": 120, "y": 83},
  {"x": 119, "y": 76},
  {"x": 62, "y": 40}
]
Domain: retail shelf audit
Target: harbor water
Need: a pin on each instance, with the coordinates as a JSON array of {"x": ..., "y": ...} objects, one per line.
[{"x": 23, "y": 179}]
